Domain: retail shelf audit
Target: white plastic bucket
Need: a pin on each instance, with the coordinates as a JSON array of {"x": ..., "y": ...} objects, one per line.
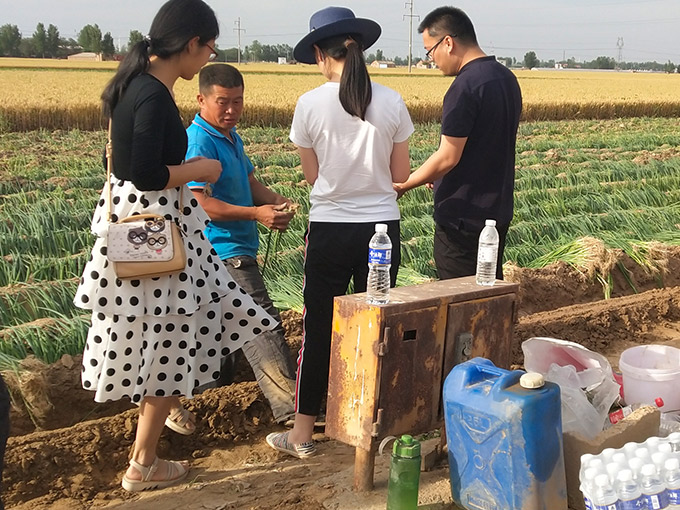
[{"x": 649, "y": 372}]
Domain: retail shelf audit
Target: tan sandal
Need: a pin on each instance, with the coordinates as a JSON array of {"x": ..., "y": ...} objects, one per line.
[
  {"x": 181, "y": 421},
  {"x": 176, "y": 472}
]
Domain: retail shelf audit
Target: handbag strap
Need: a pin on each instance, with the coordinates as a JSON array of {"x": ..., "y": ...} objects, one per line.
[{"x": 109, "y": 169}]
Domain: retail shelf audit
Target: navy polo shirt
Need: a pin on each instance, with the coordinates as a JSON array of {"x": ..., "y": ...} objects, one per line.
[
  {"x": 230, "y": 238},
  {"x": 483, "y": 104}
]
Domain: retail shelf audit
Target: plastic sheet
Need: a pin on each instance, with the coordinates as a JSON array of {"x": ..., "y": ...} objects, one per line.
[{"x": 586, "y": 381}]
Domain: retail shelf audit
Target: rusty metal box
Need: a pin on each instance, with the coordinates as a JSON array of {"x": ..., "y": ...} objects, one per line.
[{"x": 388, "y": 362}]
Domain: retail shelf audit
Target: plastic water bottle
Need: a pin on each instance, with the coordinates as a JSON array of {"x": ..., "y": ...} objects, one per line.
[
  {"x": 379, "y": 262},
  {"x": 635, "y": 464},
  {"x": 674, "y": 440},
  {"x": 588, "y": 486},
  {"x": 613, "y": 469},
  {"x": 653, "y": 488},
  {"x": 620, "y": 458},
  {"x": 672, "y": 481},
  {"x": 402, "y": 487},
  {"x": 659, "y": 460},
  {"x": 620, "y": 414},
  {"x": 643, "y": 454},
  {"x": 604, "y": 496},
  {"x": 487, "y": 254},
  {"x": 628, "y": 491},
  {"x": 629, "y": 449}
]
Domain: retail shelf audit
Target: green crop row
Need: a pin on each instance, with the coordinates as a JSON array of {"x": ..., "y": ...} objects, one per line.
[{"x": 617, "y": 181}]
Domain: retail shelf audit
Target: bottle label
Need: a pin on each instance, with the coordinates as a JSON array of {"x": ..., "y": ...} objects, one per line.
[
  {"x": 673, "y": 496},
  {"x": 619, "y": 414},
  {"x": 589, "y": 504},
  {"x": 657, "y": 501},
  {"x": 613, "y": 506},
  {"x": 631, "y": 504},
  {"x": 486, "y": 255},
  {"x": 379, "y": 256}
]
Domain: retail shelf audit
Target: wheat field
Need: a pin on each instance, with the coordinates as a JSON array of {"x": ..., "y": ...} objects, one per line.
[{"x": 50, "y": 94}]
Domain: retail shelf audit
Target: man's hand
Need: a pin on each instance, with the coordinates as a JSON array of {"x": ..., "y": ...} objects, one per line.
[
  {"x": 275, "y": 217},
  {"x": 399, "y": 189}
]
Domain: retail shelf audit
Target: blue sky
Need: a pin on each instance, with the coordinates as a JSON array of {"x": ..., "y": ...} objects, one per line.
[{"x": 583, "y": 29}]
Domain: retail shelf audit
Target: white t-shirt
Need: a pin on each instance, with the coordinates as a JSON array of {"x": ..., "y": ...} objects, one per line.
[{"x": 354, "y": 183}]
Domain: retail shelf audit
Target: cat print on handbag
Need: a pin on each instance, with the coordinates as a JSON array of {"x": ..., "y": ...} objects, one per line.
[
  {"x": 156, "y": 241},
  {"x": 137, "y": 237},
  {"x": 141, "y": 240}
]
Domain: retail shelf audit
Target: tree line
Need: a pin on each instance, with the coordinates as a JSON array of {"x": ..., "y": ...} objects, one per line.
[
  {"x": 602, "y": 62},
  {"x": 47, "y": 43}
]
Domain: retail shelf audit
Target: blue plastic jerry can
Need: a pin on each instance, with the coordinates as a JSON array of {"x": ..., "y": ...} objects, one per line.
[{"x": 504, "y": 436}]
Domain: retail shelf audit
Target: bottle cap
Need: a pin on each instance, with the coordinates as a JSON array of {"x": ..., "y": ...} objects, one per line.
[
  {"x": 591, "y": 473},
  {"x": 406, "y": 447},
  {"x": 648, "y": 470},
  {"x": 672, "y": 464},
  {"x": 625, "y": 475},
  {"x": 602, "y": 480},
  {"x": 658, "y": 401},
  {"x": 490, "y": 223},
  {"x": 531, "y": 380},
  {"x": 381, "y": 227}
]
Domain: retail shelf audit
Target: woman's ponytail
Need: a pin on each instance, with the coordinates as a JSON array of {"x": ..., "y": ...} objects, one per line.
[
  {"x": 355, "y": 83},
  {"x": 135, "y": 63}
]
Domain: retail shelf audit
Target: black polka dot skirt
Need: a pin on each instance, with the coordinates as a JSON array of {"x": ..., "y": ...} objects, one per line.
[{"x": 161, "y": 336}]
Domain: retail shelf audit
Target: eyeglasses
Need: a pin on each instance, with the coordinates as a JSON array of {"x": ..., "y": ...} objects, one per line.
[
  {"x": 428, "y": 54},
  {"x": 213, "y": 54}
]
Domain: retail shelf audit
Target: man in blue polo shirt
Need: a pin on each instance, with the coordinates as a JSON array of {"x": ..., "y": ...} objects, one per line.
[
  {"x": 235, "y": 204},
  {"x": 473, "y": 169}
]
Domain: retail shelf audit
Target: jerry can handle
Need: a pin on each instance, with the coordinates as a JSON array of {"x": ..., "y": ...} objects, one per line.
[
  {"x": 480, "y": 370},
  {"x": 506, "y": 380}
]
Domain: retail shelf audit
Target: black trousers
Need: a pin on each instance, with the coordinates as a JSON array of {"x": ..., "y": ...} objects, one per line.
[
  {"x": 455, "y": 251},
  {"x": 334, "y": 254}
]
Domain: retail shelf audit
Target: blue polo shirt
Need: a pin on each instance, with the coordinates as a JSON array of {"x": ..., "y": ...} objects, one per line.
[{"x": 230, "y": 238}]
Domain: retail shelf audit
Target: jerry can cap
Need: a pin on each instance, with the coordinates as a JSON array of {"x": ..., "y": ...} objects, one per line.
[
  {"x": 407, "y": 447},
  {"x": 532, "y": 380}
]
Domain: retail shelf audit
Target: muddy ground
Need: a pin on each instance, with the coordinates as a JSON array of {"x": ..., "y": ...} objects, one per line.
[{"x": 66, "y": 452}]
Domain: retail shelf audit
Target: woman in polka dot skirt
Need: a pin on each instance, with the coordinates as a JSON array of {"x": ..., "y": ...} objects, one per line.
[{"x": 152, "y": 340}]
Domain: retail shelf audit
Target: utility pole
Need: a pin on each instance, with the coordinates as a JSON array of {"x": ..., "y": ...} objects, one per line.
[
  {"x": 619, "y": 45},
  {"x": 410, "y": 31},
  {"x": 238, "y": 30}
]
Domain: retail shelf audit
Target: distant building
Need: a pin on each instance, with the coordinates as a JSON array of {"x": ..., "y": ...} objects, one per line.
[
  {"x": 383, "y": 64},
  {"x": 423, "y": 64},
  {"x": 86, "y": 56},
  {"x": 282, "y": 61}
]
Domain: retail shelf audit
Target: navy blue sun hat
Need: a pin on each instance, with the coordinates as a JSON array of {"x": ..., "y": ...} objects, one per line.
[{"x": 330, "y": 22}]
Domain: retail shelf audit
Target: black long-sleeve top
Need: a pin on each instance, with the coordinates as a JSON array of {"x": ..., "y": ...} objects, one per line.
[{"x": 147, "y": 134}]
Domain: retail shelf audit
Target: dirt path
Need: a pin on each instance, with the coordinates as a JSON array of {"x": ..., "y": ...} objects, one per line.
[{"x": 78, "y": 464}]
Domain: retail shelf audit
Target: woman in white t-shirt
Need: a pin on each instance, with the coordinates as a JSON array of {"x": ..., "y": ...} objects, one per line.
[{"x": 352, "y": 136}]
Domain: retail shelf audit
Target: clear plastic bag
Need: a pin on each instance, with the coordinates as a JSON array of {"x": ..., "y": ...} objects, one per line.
[{"x": 586, "y": 381}]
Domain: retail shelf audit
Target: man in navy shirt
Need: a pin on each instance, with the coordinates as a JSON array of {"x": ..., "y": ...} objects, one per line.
[
  {"x": 235, "y": 204},
  {"x": 473, "y": 170}
]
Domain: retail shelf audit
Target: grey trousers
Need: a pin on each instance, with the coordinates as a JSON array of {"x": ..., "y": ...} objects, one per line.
[{"x": 268, "y": 354}]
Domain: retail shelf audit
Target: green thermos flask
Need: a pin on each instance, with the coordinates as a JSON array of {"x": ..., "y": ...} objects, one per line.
[{"x": 402, "y": 487}]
